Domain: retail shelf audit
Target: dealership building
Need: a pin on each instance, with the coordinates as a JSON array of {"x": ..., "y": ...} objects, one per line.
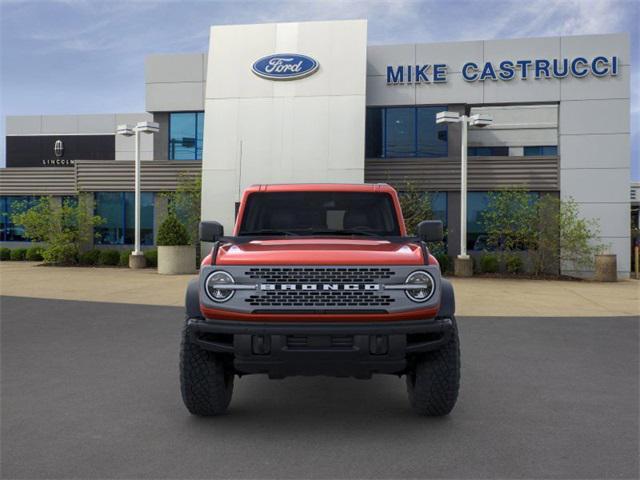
[{"x": 312, "y": 102}]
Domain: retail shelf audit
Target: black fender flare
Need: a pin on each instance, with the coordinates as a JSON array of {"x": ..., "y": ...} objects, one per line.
[
  {"x": 192, "y": 300},
  {"x": 447, "y": 300}
]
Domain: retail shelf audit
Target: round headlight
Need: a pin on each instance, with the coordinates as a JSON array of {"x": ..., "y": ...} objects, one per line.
[
  {"x": 215, "y": 289},
  {"x": 425, "y": 286}
]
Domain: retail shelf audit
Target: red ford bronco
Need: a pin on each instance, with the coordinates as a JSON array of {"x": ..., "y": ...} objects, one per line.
[{"x": 320, "y": 280}]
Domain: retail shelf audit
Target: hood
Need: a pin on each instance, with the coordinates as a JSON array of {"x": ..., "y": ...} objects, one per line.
[{"x": 320, "y": 251}]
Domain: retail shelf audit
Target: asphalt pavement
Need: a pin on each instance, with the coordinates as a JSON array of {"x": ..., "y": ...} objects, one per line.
[{"x": 90, "y": 390}]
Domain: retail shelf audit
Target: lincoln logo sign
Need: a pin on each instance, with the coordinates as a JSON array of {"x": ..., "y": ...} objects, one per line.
[
  {"x": 285, "y": 66},
  {"x": 58, "y": 148},
  {"x": 505, "y": 70},
  {"x": 321, "y": 286}
]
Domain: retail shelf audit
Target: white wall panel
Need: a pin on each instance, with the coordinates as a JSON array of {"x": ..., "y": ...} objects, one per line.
[
  {"x": 613, "y": 219},
  {"x": 521, "y": 49},
  {"x": 593, "y": 88},
  {"x": 381, "y": 94},
  {"x": 520, "y": 91},
  {"x": 453, "y": 54},
  {"x": 596, "y": 185},
  {"x": 595, "y": 151},
  {"x": 174, "y": 68},
  {"x": 455, "y": 90},
  {"x": 174, "y": 97},
  {"x": 98, "y": 124},
  {"x": 593, "y": 45},
  {"x": 264, "y": 131},
  {"x": 594, "y": 117},
  {"x": 23, "y": 125},
  {"x": 59, "y": 124},
  {"x": 516, "y": 137},
  {"x": 346, "y": 133},
  {"x": 379, "y": 56}
]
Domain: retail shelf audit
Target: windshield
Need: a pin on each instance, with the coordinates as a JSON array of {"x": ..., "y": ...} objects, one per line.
[{"x": 319, "y": 213}]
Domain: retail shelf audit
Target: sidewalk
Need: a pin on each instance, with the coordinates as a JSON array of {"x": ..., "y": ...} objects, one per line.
[{"x": 474, "y": 296}]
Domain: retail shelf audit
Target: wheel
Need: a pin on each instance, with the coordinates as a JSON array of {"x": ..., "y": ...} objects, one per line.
[
  {"x": 205, "y": 383},
  {"x": 433, "y": 383}
]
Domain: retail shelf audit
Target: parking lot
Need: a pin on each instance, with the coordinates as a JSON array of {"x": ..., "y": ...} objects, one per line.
[{"x": 90, "y": 390}]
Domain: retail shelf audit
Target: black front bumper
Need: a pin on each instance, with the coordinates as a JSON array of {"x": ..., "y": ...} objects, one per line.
[{"x": 336, "y": 349}]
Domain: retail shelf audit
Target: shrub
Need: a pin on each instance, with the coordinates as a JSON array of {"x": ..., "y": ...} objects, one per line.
[
  {"x": 18, "y": 254},
  {"x": 513, "y": 263},
  {"x": 90, "y": 257},
  {"x": 34, "y": 254},
  {"x": 510, "y": 219},
  {"x": 109, "y": 257},
  {"x": 124, "y": 258},
  {"x": 5, "y": 254},
  {"x": 185, "y": 203},
  {"x": 444, "y": 261},
  {"x": 172, "y": 232},
  {"x": 564, "y": 237},
  {"x": 152, "y": 258},
  {"x": 489, "y": 263},
  {"x": 64, "y": 227},
  {"x": 61, "y": 254}
]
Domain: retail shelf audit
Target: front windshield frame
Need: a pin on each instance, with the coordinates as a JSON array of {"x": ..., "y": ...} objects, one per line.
[{"x": 330, "y": 209}]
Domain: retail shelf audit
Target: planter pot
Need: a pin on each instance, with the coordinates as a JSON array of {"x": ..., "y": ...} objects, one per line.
[
  {"x": 606, "y": 268},
  {"x": 176, "y": 260}
]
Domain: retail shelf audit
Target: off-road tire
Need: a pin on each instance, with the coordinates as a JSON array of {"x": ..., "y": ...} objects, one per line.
[
  {"x": 434, "y": 380},
  {"x": 206, "y": 385}
]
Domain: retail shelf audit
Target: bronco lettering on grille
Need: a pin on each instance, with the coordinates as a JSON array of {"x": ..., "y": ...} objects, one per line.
[{"x": 320, "y": 286}]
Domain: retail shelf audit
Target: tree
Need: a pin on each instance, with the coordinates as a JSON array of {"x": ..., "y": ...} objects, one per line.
[
  {"x": 184, "y": 203},
  {"x": 550, "y": 229},
  {"x": 63, "y": 227},
  {"x": 563, "y": 237},
  {"x": 510, "y": 220},
  {"x": 416, "y": 207}
]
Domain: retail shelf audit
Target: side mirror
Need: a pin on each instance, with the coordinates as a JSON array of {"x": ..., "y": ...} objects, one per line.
[
  {"x": 430, "y": 231},
  {"x": 211, "y": 231}
]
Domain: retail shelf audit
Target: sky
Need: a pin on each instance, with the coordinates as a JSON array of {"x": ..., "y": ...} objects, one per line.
[{"x": 87, "y": 56}]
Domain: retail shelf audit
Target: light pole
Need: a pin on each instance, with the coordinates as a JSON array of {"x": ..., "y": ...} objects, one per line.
[
  {"x": 136, "y": 259},
  {"x": 463, "y": 264}
]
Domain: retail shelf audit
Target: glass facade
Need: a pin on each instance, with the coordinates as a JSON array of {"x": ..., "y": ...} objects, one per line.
[
  {"x": 117, "y": 209},
  {"x": 439, "y": 206},
  {"x": 477, "y": 203},
  {"x": 405, "y": 132},
  {"x": 9, "y": 232},
  {"x": 488, "y": 151},
  {"x": 185, "y": 135},
  {"x": 541, "y": 151}
]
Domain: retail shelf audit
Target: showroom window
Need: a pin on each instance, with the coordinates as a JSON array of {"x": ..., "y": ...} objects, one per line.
[
  {"x": 488, "y": 151},
  {"x": 438, "y": 202},
  {"x": 541, "y": 151},
  {"x": 185, "y": 135},
  {"x": 405, "y": 132},
  {"x": 117, "y": 211},
  {"x": 477, "y": 204},
  {"x": 9, "y": 232}
]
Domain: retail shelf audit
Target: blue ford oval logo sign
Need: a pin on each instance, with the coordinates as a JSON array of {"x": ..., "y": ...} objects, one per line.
[{"x": 285, "y": 66}]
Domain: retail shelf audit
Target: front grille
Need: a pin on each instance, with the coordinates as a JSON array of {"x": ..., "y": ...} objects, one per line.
[
  {"x": 320, "y": 298},
  {"x": 319, "y": 341},
  {"x": 335, "y": 298},
  {"x": 320, "y": 274}
]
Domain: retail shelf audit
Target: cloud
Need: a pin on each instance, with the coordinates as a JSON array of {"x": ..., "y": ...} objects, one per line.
[{"x": 67, "y": 56}]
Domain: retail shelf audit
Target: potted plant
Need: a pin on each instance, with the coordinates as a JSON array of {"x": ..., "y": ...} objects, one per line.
[
  {"x": 175, "y": 254},
  {"x": 606, "y": 268}
]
